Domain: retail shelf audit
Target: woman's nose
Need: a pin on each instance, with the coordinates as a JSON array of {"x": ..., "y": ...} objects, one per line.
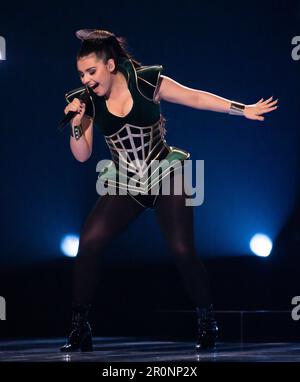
[{"x": 85, "y": 79}]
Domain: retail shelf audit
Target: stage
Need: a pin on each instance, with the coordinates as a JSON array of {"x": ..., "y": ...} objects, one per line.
[{"x": 130, "y": 349}]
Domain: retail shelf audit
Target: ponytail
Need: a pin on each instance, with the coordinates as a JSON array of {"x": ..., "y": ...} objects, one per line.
[{"x": 104, "y": 44}]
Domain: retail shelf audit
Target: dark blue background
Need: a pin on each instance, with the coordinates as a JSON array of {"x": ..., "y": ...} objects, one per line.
[{"x": 240, "y": 51}]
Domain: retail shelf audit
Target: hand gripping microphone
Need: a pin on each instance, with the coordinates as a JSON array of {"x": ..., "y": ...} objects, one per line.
[{"x": 84, "y": 97}]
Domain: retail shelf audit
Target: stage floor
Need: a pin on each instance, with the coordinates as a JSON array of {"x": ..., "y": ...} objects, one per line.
[{"x": 125, "y": 349}]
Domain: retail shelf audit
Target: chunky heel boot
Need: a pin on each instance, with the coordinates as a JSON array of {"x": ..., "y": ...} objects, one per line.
[
  {"x": 207, "y": 329},
  {"x": 81, "y": 334}
]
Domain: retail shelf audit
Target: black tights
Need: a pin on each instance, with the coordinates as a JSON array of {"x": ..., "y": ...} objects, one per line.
[{"x": 111, "y": 215}]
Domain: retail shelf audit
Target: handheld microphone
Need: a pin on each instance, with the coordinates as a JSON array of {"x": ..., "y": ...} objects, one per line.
[{"x": 83, "y": 97}]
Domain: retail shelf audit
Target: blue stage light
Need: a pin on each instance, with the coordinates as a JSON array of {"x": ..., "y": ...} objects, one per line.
[
  {"x": 69, "y": 245},
  {"x": 261, "y": 245}
]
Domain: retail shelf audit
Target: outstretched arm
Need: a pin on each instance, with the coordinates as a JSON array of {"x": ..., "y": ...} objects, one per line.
[{"x": 171, "y": 91}]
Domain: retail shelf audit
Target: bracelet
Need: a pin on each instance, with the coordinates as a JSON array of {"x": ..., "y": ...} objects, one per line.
[
  {"x": 236, "y": 108},
  {"x": 76, "y": 132}
]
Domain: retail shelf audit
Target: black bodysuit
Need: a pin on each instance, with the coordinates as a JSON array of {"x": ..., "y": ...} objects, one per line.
[{"x": 136, "y": 139}]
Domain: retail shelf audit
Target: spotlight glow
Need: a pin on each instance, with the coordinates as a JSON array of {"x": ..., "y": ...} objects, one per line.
[
  {"x": 261, "y": 245},
  {"x": 69, "y": 245}
]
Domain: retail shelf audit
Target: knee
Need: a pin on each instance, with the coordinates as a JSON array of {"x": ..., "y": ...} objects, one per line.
[
  {"x": 87, "y": 247},
  {"x": 182, "y": 251},
  {"x": 91, "y": 241}
]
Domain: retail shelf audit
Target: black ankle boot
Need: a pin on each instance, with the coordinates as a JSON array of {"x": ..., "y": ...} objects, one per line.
[
  {"x": 81, "y": 335},
  {"x": 207, "y": 329}
]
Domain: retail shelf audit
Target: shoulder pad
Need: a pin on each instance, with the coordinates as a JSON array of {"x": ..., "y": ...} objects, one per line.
[{"x": 148, "y": 80}]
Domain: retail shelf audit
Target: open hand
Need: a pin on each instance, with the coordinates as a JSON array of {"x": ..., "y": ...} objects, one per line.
[{"x": 256, "y": 110}]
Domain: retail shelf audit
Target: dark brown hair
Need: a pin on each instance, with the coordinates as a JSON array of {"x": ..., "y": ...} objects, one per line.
[{"x": 104, "y": 44}]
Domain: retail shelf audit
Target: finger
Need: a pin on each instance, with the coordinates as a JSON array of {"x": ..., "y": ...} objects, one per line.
[
  {"x": 260, "y": 118},
  {"x": 76, "y": 103},
  {"x": 72, "y": 108},
  {"x": 268, "y": 100},
  {"x": 271, "y": 103},
  {"x": 270, "y": 109},
  {"x": 260, "y": 101}
]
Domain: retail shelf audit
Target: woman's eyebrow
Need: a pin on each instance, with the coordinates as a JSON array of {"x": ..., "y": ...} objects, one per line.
[{"x": 93, "y": 67}]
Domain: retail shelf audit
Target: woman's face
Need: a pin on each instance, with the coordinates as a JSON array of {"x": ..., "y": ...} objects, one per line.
[{"x": 95, "y": 74}]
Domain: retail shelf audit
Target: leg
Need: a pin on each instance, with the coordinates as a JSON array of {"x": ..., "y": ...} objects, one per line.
[
  {"x": 176, "y": 220},
  {"x": 110, "y": 216}
]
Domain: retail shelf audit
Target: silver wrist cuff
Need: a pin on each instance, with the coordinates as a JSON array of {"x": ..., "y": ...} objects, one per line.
[
  {"x": 236, "y": 108},
  {"x": 76, "y": 132}
]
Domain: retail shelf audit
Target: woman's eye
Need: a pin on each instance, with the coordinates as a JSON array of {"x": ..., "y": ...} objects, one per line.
[{"x": 90, "y": 73}]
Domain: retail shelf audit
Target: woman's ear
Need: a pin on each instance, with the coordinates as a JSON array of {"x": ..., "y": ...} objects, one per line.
[{"x": 111, "y": 65}]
